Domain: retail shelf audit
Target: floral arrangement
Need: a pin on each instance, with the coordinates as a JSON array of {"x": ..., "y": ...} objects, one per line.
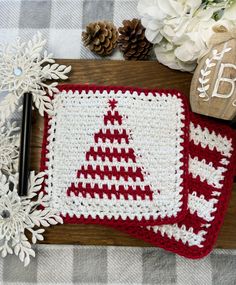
[
  {"x": 181, "y": 29},
  {"x": 25, "y": 67}
]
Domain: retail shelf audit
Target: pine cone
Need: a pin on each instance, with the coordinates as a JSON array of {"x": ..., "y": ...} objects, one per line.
[
  {"x": 100, "y": 37},
  {"x": 132, "y": 41}
]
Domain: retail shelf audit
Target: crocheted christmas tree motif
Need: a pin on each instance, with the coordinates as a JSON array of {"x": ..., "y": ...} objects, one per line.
[{"x": 111, "y": 166}]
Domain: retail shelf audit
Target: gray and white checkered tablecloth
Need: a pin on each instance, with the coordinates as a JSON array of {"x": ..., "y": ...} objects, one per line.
[
  {"x": 57, "y": 264},
  {"x": 61, "y": 22}
]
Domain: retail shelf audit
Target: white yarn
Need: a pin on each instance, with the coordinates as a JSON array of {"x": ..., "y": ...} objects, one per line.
[
  {"x": 210, "y": 139},
  {"x": 205, "y": 208},
  {"x": 154, "y": 125},
  {"x": 207, "y": 172}
]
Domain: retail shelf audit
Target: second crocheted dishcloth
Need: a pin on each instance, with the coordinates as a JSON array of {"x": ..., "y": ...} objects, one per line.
[
  {"x": 211, "y": 169},
  {"x": 117, "y": 155}
]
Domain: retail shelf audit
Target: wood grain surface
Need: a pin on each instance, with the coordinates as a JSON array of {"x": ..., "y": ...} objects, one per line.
[{"x": 141, "y": 74}]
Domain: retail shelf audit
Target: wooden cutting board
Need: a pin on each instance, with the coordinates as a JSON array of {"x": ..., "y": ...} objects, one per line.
[{"x": 139, "y": 74}]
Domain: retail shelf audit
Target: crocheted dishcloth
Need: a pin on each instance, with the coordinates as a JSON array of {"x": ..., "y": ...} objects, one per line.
[
  {"x": 211, "y": 171},
  {"x": 115, "y": 155}
]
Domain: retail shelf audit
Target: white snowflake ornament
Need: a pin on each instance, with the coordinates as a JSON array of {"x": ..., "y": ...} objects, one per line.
[
  {"x": 24, "y": 67},
  {"x": 19, "y": 215}
]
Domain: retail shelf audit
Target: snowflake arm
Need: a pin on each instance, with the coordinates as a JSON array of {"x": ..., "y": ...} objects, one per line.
[{"x": 9, "y": 147}]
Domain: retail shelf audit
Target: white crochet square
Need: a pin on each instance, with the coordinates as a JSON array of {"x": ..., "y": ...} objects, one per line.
[{"x": 149, "y": 127}]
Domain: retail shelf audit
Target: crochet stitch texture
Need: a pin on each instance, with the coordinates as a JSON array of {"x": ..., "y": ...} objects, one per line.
[
  {"x": 117, "y": 155},
  {"x": 211, "y": 171}
]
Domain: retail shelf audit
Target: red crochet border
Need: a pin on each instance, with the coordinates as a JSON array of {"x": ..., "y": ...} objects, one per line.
[
  {"x": 185, "y": 152},
  {"x": 180, "y": 248}
]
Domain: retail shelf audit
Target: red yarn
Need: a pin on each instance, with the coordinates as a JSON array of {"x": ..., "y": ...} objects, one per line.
[
  {"x": 192, "y": 220},
  {"x": 93, "y": 154},
  {"x": 188, "y": 219}
]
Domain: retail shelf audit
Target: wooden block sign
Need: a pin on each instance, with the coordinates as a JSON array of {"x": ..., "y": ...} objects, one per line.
[{"x": 213, "y": 87}]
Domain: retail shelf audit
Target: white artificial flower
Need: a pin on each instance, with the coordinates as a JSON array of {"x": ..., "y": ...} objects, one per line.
[
  {"x": 167, "y": 18},
  {"x": 19, "y": 215},
  {"x": 24, "y": 67},
  {"x": 152, "y": 19},
  {"x": 165, "y": 53},
  {"x": 230, "y": 12},
  {"x": 229, "y": 16},
  {"x": 196, "y": 40},
  {"x": 181, "y": 29}
]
